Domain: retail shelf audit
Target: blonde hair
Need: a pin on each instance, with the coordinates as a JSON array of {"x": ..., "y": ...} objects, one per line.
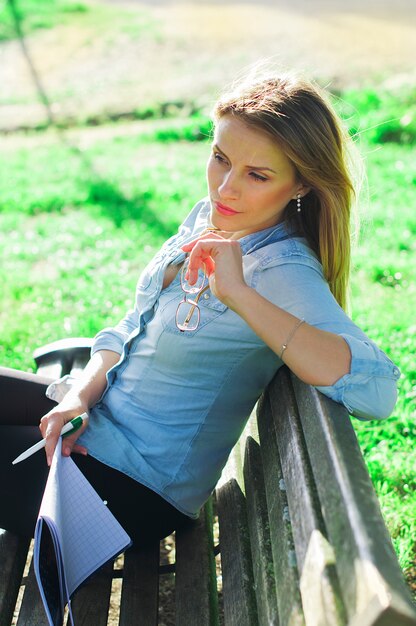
[{"x": 297, "y": 115}]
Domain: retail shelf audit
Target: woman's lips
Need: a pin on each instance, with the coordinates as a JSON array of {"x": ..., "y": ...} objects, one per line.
[{"x": 224, "y": 210}]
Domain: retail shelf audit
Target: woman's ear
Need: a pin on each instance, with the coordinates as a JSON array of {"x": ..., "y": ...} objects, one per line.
[{"x": 303, "y": 190}]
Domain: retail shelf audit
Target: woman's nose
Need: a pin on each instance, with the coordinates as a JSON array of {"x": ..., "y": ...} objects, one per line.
[{"x": 229, "y": 187}]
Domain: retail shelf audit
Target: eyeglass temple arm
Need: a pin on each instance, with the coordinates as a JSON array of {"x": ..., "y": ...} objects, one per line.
[{"x": 195, "y": 304}]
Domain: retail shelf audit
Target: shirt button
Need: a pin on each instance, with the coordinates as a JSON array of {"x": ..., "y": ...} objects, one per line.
[
  {"x": 396, "y": 371},
  {"x": 206, "y": 296}
]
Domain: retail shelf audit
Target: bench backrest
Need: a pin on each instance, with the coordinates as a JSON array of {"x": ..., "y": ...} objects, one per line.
[{"x": 308, "y": 519}]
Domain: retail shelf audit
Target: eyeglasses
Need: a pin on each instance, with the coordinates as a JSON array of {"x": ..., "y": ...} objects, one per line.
[{"x": 188, "y": 313}]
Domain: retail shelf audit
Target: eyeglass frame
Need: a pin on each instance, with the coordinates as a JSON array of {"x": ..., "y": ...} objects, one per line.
[{"x": 193, "y": 303}]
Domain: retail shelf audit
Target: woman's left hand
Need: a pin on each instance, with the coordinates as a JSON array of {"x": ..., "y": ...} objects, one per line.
[{"x": 223, "y": 260}]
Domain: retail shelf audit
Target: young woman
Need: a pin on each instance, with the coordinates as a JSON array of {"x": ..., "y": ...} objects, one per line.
[{"x": 255, "y": 277}]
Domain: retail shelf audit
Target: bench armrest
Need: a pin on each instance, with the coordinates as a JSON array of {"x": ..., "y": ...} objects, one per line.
[{"x": 65, "y": 356}]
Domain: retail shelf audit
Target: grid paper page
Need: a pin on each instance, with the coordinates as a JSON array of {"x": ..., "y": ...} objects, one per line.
[{"x": 90, "y": 533}]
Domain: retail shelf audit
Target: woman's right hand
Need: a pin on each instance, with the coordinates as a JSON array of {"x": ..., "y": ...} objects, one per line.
[
  {"x": 52, "y": 423},
  {"x": 85, "y": 393},
  {"x": 222, "y": 260}
]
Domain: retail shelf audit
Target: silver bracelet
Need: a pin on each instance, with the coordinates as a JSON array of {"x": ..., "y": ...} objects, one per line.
[{"x": 285, "y": 345}]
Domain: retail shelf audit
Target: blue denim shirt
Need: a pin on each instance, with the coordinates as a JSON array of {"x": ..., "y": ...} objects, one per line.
[{"x": 176, "y": 403}]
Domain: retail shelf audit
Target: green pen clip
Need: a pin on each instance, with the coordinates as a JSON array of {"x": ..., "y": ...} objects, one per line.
[{"x": 76, "y": 424}]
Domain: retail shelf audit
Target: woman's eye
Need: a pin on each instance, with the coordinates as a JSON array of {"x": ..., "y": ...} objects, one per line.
[
  {"x": 218, "y": 157},
  {"x": 258, "y": 177}
]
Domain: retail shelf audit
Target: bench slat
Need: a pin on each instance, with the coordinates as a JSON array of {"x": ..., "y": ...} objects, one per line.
[
  {"x": 140, "y": 590},
  {"x": 240, "y": 607},
  {"x": 320, "y": 589},
  {"x": 297, "y": 474},
  {"x": 284, "y": 557},
  {"x": 91, "y": 602},
  {"x": 258, "y": 522},
  {"x": 196, "y": 595},
  {"x": 13, "y": 555},
  {"x": 371, "y": 580},
  {"x": 31, "y": 611}
]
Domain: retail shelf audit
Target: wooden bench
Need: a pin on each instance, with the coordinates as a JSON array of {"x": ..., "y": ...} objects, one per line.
[{"x": 301, "y": 537}]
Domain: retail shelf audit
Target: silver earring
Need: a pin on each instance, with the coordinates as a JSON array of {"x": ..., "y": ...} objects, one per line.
[{"x": 299, "y": 208}]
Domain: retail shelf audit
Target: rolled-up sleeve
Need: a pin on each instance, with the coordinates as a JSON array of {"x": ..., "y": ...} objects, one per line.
[
  {"x": 296, "y": 284},
  {"x": 113, "y": 338},
  {"x": 369, "y": 391}
]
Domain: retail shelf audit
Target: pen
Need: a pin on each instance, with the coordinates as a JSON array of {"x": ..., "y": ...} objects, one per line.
[{"x": 68, "y": 429}]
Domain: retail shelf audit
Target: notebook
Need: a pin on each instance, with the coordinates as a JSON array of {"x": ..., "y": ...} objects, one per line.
[{"x": 75, "y": 535}]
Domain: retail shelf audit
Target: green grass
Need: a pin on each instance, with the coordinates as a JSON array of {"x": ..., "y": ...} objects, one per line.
[
  {"x": 77, "y": 228},
  {"x": 35, "y": 15},
  {"x": 380, "y": 116},
  {"x": 75, "y": 234},
  {"x": 384, "y": 305},
  {"x": 38, "y": 15}
]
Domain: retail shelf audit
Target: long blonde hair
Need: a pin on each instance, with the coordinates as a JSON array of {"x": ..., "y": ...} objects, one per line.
[{"x": 297, "y": 115}]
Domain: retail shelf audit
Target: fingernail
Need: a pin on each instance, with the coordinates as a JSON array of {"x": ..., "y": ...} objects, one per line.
[
  {"x": 67, "y": 450},
  {"x": 49, "y": 461}
]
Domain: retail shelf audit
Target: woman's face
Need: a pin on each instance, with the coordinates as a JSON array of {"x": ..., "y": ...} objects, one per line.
[{"x": 250, "y": 180}]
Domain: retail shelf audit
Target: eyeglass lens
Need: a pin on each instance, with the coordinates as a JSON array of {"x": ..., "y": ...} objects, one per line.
[
  {"x": 187, "y": 315},
  {"x": 198, "y": 285}
]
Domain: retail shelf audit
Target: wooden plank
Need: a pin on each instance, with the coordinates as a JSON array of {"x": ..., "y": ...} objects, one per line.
[
  {"x": 319, "y": 584},
  {"x": 31, "y": 611},
  {"x": 284, "y": 556},
  {"x": 196, "y": 597},
  {"x": 140, "y": 590},
  {"x": 90, "y": 603},
  {"x": 371, "y": 580},
  {"x": 240, "y": 607},
  {"x": 258, "y": 523},
  {"x": 303, "y": 507},
  {"x": 13, "y": 555}
]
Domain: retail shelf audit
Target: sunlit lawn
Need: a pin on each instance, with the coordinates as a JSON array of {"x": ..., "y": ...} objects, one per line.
[{"x": 75, "y": 231}]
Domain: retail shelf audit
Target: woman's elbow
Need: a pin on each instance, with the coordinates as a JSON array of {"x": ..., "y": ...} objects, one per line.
[{"x": 376, "y": 402}]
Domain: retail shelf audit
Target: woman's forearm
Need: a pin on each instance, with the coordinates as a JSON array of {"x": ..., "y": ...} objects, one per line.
[
  {"x": 92, "y": 383},
  {"x": 316, "y": 356},
  {"x": 85, "y": 392}
]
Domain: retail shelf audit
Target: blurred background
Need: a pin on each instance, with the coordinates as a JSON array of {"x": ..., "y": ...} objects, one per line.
[
  {"x": 117, "y": 58},
  {"x": 104, "y": 128}
]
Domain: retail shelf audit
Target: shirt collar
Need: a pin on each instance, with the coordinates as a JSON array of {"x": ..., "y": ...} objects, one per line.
[{"x": 261, "y": 238}]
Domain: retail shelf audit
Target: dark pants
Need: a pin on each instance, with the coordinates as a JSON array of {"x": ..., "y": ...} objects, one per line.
[{"x": 144, "y": 514}]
